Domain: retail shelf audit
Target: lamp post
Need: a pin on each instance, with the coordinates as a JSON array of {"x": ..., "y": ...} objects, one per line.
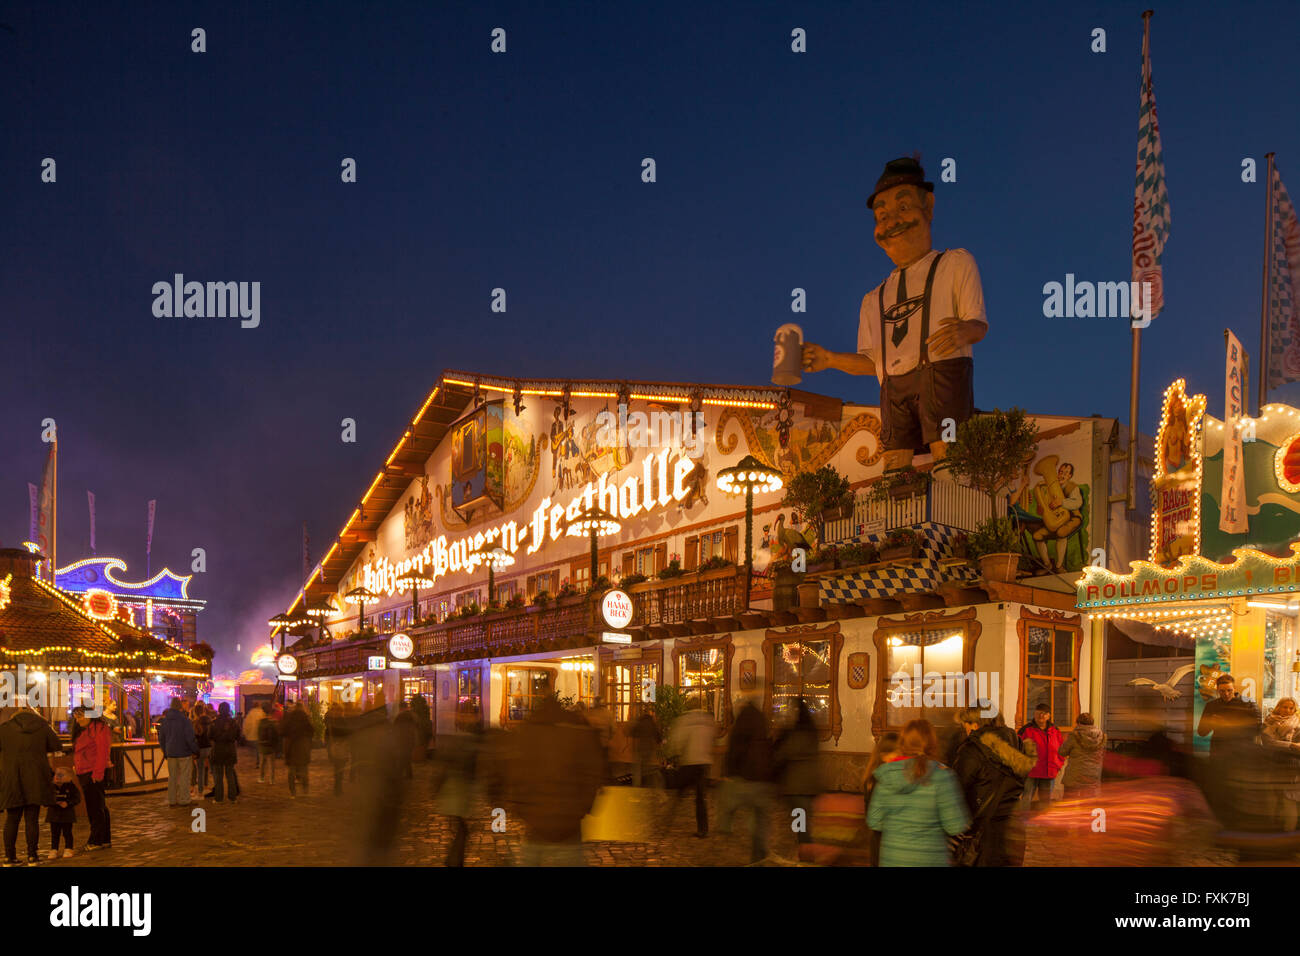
[
  {"x": 415, "y": 581},
  {"x": 282, "y": 623},
  {"x": 360, "y": 595},
  {"x": 746, "y": 477},
  {"x": 317, "y": 611},
  {"x": 496, "y": 558},
  {"x": 595, "y": 522}
]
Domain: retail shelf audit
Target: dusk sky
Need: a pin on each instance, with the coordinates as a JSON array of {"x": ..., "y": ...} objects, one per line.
[{"x": 522, "y": 171}]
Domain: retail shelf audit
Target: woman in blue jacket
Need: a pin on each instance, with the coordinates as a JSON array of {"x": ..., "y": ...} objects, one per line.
[{"x": 917, "y": 803}]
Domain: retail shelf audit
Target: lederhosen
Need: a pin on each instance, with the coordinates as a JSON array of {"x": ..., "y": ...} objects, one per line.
[{"x": 914, "y": 404}]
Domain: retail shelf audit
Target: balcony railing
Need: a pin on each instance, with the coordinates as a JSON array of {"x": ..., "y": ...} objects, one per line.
[
  {"x": 943, "y": 502},
  {"x": 690, "y": 597}
]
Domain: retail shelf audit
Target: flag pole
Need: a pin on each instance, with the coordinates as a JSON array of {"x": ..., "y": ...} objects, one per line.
[
  {"x": 1264, "y": 357},
  {"x": 1135, "y": 373},
  {"x": 54, "y": 515}
]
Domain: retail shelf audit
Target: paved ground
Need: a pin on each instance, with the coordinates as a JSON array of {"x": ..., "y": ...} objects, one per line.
[{"x": 266, "y": 827}]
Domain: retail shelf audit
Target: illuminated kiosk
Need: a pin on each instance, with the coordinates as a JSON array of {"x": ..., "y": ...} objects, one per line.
[
  {"x": 489, "y": 461},
  {"x": 74, "y": 648},
  {"x": 1221, "y": 602}
]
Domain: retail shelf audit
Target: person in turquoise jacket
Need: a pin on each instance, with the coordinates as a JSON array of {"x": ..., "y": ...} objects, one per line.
[{"x": 917, "y": 803}]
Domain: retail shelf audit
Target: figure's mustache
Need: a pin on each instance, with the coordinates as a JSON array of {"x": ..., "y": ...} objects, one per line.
[{"x": 893, "y": 231}]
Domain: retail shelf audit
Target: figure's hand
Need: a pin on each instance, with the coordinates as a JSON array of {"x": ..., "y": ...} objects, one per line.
[
  {"x": 815, "y": 358},
  {"x": 953, "y": 334}
]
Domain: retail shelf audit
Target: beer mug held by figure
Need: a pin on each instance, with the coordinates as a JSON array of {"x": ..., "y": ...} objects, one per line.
[{"x": 787, "y": 359}]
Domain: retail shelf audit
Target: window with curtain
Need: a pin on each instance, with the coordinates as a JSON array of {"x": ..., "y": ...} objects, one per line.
[{"x": 915, "y": 665}]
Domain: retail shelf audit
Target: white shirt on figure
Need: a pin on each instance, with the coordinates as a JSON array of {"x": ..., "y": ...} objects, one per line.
[{"x": 957, "y": 294}]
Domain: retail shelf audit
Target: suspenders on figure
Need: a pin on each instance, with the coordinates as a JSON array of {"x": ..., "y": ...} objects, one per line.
[{"x": 924, "y": 357}]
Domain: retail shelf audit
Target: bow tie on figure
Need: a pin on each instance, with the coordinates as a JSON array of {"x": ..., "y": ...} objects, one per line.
[{"x": 908, "y": 336}]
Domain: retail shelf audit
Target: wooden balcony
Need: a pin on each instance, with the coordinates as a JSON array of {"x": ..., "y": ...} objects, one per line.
[{"x": 704, "y": 599}]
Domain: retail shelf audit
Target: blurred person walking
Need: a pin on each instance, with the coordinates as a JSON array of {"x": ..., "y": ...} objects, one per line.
[
  {"x": 407, "y": 733},
  {"x": 646, "y": 739},
  {"x": 456, "y": 772},
  {"x": 202, "y": 736},
  {"x": 1085, "y": 748},
  {"x": 796, "y": 761},
  {"x": 267, "y": 744},
  {"x": 1233, "y": 725},
  {"x": 1281, "y": 739},
  {"x": 297, "y": 732},
  {"x": 917, "y": 803},
  {"x": 180, "y": 747},
  {"x": 1047, "y": 740},
  {"x": 691, "y": 741},
  {"x": 92, "y": 761},
  {"x": 336, "y": 743},
  {"x": 556, "y": 767},
  {"x": 250, "y": 724},
  {"x": 886, "y": 750},
  {"x": 26, "y": 781},
  {"x": 748, "y": 771},
  {"x": 225, "y": 752},
  {"x": 992, "y": 769}
]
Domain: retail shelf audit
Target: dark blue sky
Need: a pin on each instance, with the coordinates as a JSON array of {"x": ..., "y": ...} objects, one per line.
[{"x": 523, "y": 171}]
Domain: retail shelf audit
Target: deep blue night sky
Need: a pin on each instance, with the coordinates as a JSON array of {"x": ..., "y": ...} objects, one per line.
[{"x": 522, "y": 171}]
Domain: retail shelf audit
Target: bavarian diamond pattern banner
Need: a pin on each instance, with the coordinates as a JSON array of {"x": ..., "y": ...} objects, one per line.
[
  {"x": 1151, "y": 199},
  {"x": 1284, "y": 280}
]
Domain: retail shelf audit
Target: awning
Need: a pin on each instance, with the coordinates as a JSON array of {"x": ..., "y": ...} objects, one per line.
[{"x": 1146, "y": 634}]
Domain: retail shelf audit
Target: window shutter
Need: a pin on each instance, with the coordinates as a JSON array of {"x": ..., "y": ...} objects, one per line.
[
  {"x": 661, "y": 557},
  {"x": 731, "y": 546},
  {"x": 692, "y": 553},
  {"x": 531, "y": 586},
  {"x": 629, "y": 562}
]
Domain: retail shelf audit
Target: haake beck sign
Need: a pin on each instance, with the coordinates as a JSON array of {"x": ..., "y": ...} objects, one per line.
[{"x": 616, "y": 608}]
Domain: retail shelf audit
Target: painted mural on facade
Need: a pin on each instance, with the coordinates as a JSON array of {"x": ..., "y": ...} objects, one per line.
[{"x": 1052, "y": 500}]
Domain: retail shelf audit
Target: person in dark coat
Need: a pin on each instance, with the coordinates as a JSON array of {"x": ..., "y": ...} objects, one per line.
[
  {"x": 646, "y": 739},
  {"x": 297, "y": 732},
  {"x": 992, "y": 766},
  {"x": 180, "y": 747},
  {"x": 407, "y": 731},
  {"x": 748, "y": 769},
  {"x": 225, "y": 742},
  {"x": 26, "y": 780}
]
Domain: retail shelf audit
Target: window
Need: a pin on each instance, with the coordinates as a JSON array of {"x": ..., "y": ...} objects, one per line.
[
  {"x": 1049, "y": 673},
  {"x": 702, "y": 676},
  {"x": 581, "y": 574},
  {"x": 441, "y": 608},
  {"x": 542, "y": 581},
  {"x": 586, "y": 687},
  {"x": 466, "y": 598},
  {"x": 645, "y": 561},
  {"x": 801, "y": 669},
  {"x": 915, "y": 662},
  {"x": 386, "y": 621},
  {"x": 507, "y": 589},
  {"x": 623, "y": 688},
  {"x": 468, "y": 698},
  {"x": 526, "y": 687}
]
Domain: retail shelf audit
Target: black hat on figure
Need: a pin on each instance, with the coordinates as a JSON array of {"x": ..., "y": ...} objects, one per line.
[{"x": 900, "y": 172}]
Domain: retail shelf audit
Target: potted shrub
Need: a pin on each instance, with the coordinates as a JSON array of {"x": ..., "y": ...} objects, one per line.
[
  {"x": 814, "y": 493},
  {"x": 630, "y": 579},
  {"x": 542, "y": 598},
  {"x": 601, "y": 583},
  {"x": 674, "y": 570},
  {"x": 515, "y": 602},
  {"x": 996, "y": 545},
  {"x": 961, "y": 546},
  {"x": 858, "y": 552},
  {"x": 897, "y": 485},
  {"x": 824, "y": 559},
  {"x": 901, "y": 543},
  {"x": 714, "y": 563}
]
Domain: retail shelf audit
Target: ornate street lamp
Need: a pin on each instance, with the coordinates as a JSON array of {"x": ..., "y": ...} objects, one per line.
[
  {"x": 317, "y": 611},
  {"x": 746, "y": 477},
  {"x": 597, "y": 523},
  {"x": 415, "y": 580},
  {"x": 496, "y": 558},
  {"x": 361, "y": 595},
  {"x": 282, "y": 623}
]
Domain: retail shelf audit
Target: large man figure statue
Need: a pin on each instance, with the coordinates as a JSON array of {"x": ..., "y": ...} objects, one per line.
[{"x": 915, "y": 329}]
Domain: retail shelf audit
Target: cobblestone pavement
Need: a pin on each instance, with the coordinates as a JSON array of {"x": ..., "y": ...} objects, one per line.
[{"x": 266, "y": 827}]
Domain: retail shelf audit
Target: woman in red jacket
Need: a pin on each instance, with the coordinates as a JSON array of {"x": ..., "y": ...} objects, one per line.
[
  {"x": 1047, "y": 739},
  {"x": 92, "y": 761}
]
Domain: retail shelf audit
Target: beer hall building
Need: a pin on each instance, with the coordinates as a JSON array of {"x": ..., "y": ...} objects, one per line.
[{"x": 489, "y": 463}]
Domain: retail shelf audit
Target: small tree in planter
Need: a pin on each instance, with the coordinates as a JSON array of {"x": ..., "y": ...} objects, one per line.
[
  {"x": 812, "y": 493},
  {"x": 988, "y": 454}
]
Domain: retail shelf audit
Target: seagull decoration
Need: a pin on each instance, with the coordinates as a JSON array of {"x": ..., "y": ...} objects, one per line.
[{"x": 1166, "y": 690}]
